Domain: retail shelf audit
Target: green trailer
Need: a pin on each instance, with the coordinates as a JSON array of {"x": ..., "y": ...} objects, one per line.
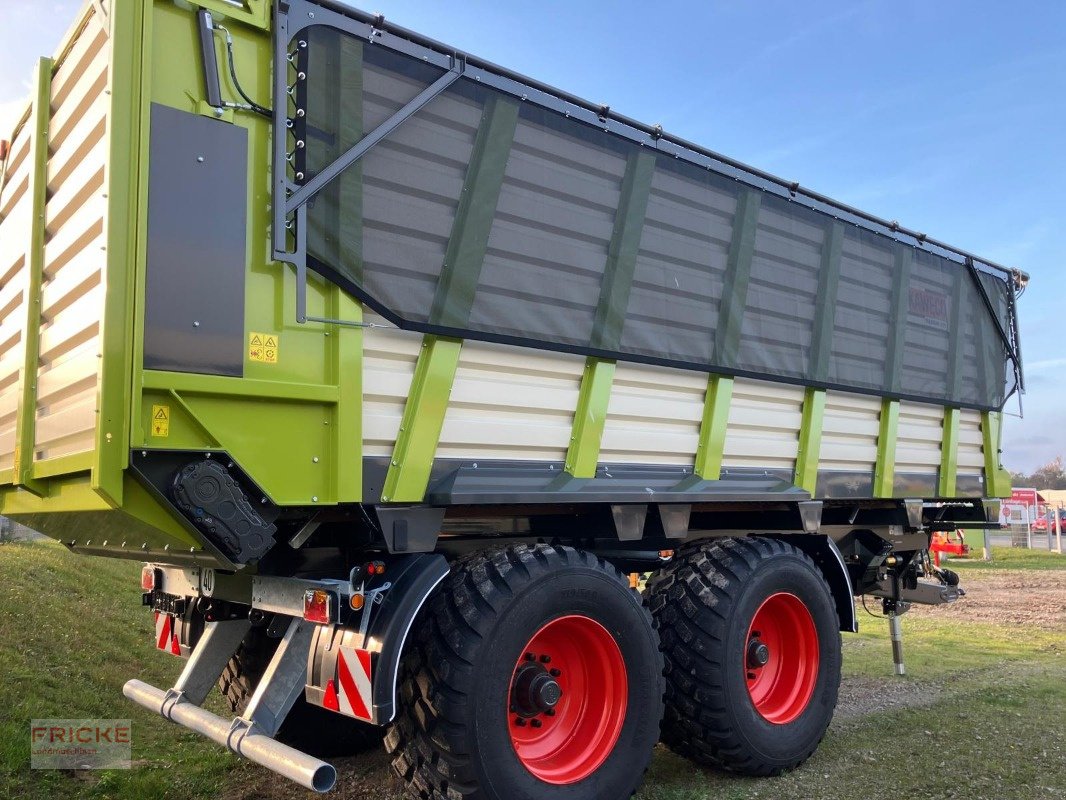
[{"x": 391, "y": 364}]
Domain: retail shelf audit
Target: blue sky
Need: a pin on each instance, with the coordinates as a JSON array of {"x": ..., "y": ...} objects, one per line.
[{"x": 946, "y": 116}]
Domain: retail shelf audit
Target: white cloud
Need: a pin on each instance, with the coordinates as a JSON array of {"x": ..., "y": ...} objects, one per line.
[{"x": 10, "y": 112}]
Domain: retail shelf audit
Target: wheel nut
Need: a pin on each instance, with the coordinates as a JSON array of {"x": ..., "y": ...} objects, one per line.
[
  {"x": 545, "y": 659},
  {"x": 530, "y": 657},
  {"x": 536, "y": 723},
  {"x": 554, "y": 672},
  {"x": 520, "y": 722},
  {"x": 550, "y": 712},
  {"x": 758, "y": 653}
]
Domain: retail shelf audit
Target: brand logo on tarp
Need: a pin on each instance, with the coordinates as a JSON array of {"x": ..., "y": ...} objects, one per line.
[
  {"x": 931, "y": 306},
  {"x": 80, "y": 743}
]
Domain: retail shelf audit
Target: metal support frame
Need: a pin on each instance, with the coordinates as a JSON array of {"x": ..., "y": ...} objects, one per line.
[
  {"x": 33, "y": 267},
  {"x": 250, "y": 736},
  {"x": 297, "y": 195},
  {"x": 810, "y": 440},
  {"x": 713, "y": 429},
  {"x": 885, "y": 466},
  {"x": 583, "y": 454}
]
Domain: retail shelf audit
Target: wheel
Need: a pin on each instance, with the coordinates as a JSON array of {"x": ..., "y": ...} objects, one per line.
[
  {"x": 535, "y": 675},
  {"x": 307, "y": 727},
  {"x": 752, "y": 644}
]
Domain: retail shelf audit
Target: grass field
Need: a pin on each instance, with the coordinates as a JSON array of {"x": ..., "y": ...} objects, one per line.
[{"x": 979, "y": 715}]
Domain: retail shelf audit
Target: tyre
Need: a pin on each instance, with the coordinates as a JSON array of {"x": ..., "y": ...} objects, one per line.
[
  {"x": 535, "y": 675},
  {"x": 752, "y": 644},
  {"x": 322, "y": 733}
]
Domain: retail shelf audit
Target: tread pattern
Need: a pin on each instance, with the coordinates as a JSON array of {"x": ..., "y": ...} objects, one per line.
[
  {"x": 427, "y": 739},
  {"x": 691, "y": 600}
]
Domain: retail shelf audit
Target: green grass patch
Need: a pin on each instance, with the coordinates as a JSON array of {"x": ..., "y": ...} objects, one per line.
[
  {"x": 1009, "y": 558},
  {"x": 992, "y": 700}
]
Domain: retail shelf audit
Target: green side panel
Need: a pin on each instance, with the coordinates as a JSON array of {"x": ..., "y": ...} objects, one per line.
[
  {"x": 477, "y": 208},
  {"x": 949, "y": 453},
  {"x": 622, "y": 252},
  {"x": 127, "y": 198},
  {"x": 826, "y": 302},
  {"x": 423, "y": 418},
  {"x": 810, "y": 439},
  {"x": 997, "y": 479},
  {"x": 713, "y": 428},
  {"x": 294, "y": 425},
  {"x": 885, "y": 467},
  {"x": 37, "y": 191},
  {"x": 737, "y": 276},
  {"x": 591, "y": 415},
  {"x": 900, "y": 298}
]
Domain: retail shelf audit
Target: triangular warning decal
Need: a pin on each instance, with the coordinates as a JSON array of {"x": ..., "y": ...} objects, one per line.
[
  {"x": 161, "y": 412},
  {"x": 270, "y": 342},
  {"x": 256, "y": 340},
  {"x": 330, "y": 699}
]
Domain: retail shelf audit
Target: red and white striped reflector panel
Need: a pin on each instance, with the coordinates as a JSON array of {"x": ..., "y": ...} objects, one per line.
[
  {"x": 166, "y": 636},
  {"x": 351, "y": 692}
]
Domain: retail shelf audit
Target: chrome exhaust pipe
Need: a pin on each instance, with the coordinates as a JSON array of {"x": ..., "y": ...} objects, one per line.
[{"x": 289, "y": 762}]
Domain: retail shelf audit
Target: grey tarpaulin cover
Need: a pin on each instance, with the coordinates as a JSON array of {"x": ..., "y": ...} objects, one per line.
[{"x": 486, "y": 217}]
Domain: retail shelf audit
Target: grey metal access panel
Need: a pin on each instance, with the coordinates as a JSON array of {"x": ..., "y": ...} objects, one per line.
[{"x": 197, "y": 209}]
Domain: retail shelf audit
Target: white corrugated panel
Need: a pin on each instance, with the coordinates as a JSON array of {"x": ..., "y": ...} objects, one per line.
[
  {"x": 920, "y": 433},
  {"x": 849, "y": 432},
  {"x": 14, "y": 224},
  {"x": 764, "y": 424},
  {"x": 654, "y": 416},
  {"x": 971, "y": 459},
  {"x": 72, "y": 291},
  {"x": 389, "y": 357},
  {"x": 511, "y": 403}
]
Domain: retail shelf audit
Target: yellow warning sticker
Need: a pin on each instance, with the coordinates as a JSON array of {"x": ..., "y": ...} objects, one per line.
[
  {"x": 160, "y": 420},
  {"x": 263, "y": 347}
]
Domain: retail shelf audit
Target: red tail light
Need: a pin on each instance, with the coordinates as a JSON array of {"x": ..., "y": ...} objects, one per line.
[
  {"x": 148, "y": 578},
  {"x": 318, "y": 606}
]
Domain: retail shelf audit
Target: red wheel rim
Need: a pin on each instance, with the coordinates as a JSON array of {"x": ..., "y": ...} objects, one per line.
[
  {"x": 781, "y": 657},
  {"x": 567, "y": 742}
]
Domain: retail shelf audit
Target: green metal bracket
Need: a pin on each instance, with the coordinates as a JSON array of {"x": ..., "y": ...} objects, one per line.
[
  {"x": 713, "y": 428},
  {"x": 622, "y": 252},
  {"x": 885, "y": 467},
  {"x": 826, "y": 301},
  {"x": 949, "y": 453},
  {"x": 590, "y": 418},
  {"x": 997, "y": 479},
  {"x": 737, "y": 276},
  {"x": 37, "y": 192},
  {"x": 423, "y": 419},
  {"x": 901, "y": 273},
  {"x": 469, "y": 239},
  {"x": 810, "y": 440}
]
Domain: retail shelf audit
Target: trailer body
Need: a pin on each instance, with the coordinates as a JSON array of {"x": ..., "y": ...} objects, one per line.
[{"x": 294, "y": 299}]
